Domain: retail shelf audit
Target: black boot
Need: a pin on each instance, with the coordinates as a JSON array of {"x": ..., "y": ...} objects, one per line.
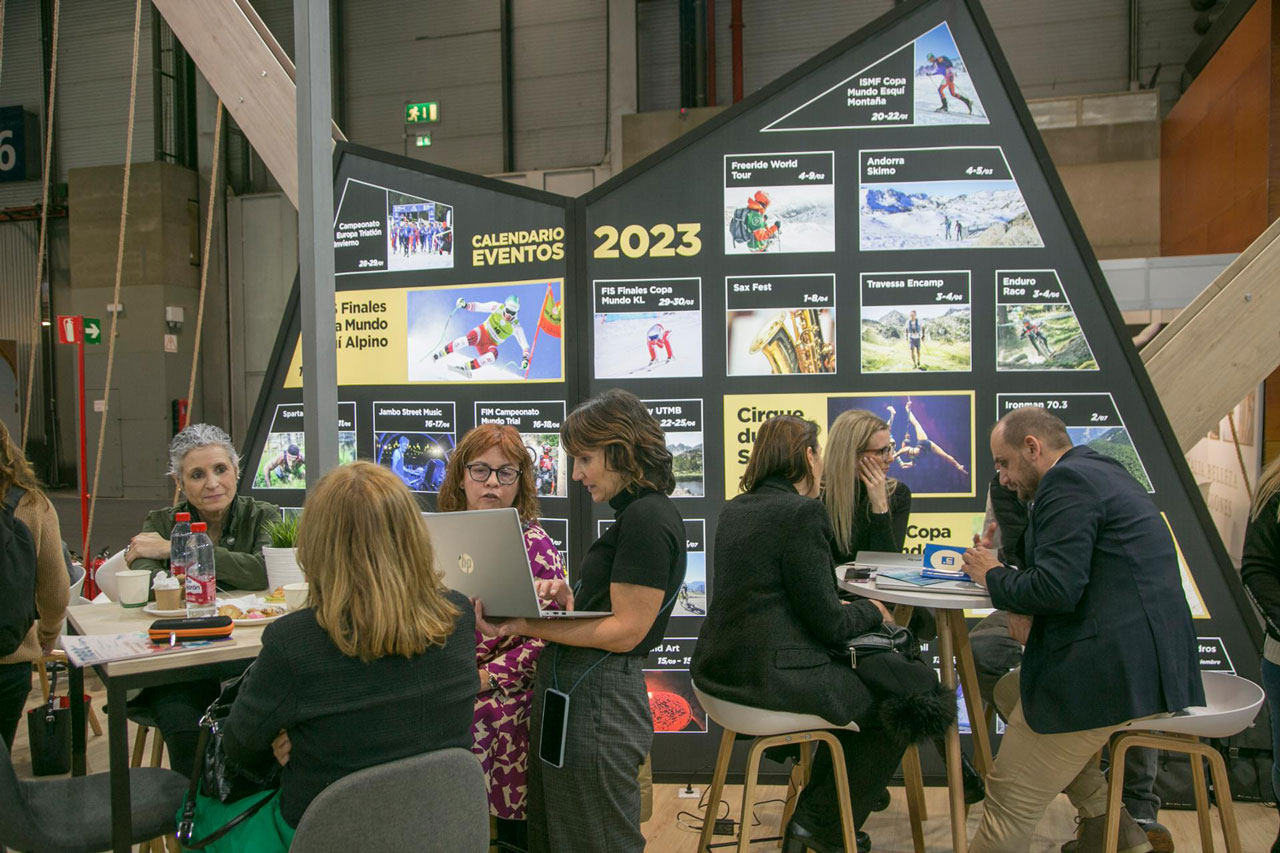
[
  {"x": 975, "y": 790},
  {"x": 799, "y": 839}
]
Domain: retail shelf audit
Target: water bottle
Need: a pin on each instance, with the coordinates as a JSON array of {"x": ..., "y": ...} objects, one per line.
[
  {"x": 180, "y": 553},
  {"x": 202, "y": 593}
]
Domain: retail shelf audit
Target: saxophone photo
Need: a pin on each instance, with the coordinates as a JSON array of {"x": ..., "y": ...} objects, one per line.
[{"x": 793, "y": 342}]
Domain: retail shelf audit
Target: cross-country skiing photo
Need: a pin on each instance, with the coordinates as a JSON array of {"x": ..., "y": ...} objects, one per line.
[
  {"x": 505, "y": 332},
  {"x": 1041, "y": 337},
  {"x": 944, "y": 92},
  {"x": 419, "y": 459},
  {"x": 945, "y": 215},
  {"x": 419, "y": 233},
  {"x": 638, "y": 335},
  {"x": 779, "y": 203},
  {"x": 550, "y": 464},
  {"x": 780, "y": 341},
  {"x": 905, "y": 338}
]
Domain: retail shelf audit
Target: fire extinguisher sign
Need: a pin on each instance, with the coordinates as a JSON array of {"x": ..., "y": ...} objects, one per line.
[{"x": 70, "y": 329}]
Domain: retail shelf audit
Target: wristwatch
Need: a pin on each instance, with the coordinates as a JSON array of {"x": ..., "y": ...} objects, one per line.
[{"x": 490, "y": 684}]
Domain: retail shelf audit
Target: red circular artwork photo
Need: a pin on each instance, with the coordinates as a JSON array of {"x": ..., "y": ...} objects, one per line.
[{"x": 671, "y": 712}]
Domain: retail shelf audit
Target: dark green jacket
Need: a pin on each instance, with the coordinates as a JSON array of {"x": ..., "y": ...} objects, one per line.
[{"x": 238, "y": 555}]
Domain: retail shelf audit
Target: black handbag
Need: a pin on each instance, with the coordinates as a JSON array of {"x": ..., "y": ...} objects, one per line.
[
  {"x": 883, "y": 638},
  {"x": 218, "y": 777},
  {"x": 49, "y": 733}
]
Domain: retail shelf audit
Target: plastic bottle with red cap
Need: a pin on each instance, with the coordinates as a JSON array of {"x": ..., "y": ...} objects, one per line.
[
  {"x": 180, "y": 553},
  {"x": 202, "y": 579}
]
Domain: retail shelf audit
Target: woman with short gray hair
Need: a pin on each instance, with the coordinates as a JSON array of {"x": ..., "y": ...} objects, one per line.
[{"x": 205, "y": 466}]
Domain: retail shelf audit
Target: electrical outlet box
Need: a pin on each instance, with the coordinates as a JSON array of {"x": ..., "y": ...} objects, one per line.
[
  {"x": 689, "y": 793},
  {"x": 723, "y": 826}
]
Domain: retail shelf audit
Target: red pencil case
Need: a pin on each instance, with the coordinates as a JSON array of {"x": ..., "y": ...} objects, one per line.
[{"x": 198, "y": 628}]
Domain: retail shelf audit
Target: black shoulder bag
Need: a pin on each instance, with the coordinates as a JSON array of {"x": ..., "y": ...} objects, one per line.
[
  {"x": 883, "y": 638},
  {"x": 218, "y": 777}
]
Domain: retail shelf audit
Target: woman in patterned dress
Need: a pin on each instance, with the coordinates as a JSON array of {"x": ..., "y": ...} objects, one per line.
[{"x": 490, "y": 469}]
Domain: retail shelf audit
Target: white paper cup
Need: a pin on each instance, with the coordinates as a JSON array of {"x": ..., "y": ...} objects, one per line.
[
  {"x": 295, "y": 595},
  {"x": 132, "y": 587}
]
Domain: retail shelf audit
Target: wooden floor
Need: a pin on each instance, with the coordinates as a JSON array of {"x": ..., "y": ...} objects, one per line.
[{"x": 670, "y": 830}]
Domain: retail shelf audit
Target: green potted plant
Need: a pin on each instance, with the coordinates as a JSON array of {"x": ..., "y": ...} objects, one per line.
[{"x": 281, "y": 555}]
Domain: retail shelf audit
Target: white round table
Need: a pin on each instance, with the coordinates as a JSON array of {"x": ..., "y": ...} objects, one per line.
[{"x": 954, "y": 657}]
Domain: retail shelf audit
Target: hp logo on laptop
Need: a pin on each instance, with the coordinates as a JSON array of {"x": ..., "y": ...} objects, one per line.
[{"x": 466, "y": 564}]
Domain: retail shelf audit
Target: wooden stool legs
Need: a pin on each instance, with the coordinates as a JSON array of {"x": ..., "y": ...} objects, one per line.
[
  {"x": 1193, "y": 749},
  {"x": 155, "y": 845}
]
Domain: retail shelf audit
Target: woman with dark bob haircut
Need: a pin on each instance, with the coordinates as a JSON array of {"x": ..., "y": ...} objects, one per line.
[
  {"x": 590, "y": 799},
  {"x": 490, "y": 469},
  {"x": 774, "y": 620}
]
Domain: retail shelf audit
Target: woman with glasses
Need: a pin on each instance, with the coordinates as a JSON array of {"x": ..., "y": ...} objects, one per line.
[
  {"x": 868, "y": 508},
  {"x": 490, "y": 469}
]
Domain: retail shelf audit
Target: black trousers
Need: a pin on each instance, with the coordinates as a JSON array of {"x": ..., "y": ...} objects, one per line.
[
  {"x": 15, "y": 686},
  {"x": 870, "y": 758},
  {"x": 177, "y": 709}
]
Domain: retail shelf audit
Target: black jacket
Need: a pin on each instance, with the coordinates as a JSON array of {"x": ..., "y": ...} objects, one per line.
[
  {"x": 879, "y": 531},
  {"x": 1111, "y": 638},
  {"x": 774, "y": 612},
  {"x": 1260, "y": 565},
  {"x": 343, "y": 714}
]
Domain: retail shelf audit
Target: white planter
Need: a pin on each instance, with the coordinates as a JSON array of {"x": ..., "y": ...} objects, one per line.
[{"x": 282, "y": 566}]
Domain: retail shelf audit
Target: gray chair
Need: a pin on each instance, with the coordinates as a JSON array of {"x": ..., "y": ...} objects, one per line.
[
  {"x": 74, "y": 815},
  {"x": 433, "y": 801}
]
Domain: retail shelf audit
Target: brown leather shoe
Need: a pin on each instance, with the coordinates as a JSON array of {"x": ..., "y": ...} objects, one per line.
[
  {"x": 1159, "y": 836},
  {"x": 1091, "y": 831}
]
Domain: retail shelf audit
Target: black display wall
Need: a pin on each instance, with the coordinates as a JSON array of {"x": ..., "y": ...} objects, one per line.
[{"x": 776, "y": 259}]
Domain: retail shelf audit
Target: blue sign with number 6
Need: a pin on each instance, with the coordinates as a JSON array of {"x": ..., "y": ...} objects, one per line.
[{"x": 19, "y": 145}]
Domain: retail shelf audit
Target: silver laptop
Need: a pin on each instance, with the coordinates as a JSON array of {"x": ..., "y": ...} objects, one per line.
[{"x": 481, "y": 554}]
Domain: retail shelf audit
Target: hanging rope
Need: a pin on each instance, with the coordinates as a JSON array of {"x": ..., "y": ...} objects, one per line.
[
  {"x": 1244, "y": 471},
  {"x": 115, "y": 297},
  {"x": 204, "y": 269},
  {"x": 47, "y": 180}
]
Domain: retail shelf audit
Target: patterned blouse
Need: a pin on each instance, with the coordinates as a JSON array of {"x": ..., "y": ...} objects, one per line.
[{"x": 501, "y": 727}]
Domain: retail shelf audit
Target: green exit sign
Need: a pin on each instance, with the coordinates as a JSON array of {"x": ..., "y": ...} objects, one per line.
[
  {"x": 418, "y": 113},
  {"x": 422, "y": 140}
]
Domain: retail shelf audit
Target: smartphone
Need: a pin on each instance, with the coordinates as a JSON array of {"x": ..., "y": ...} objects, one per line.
[{"x": 555, "y": 725}]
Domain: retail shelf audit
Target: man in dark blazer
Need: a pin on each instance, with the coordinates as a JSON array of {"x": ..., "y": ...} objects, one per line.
[{"x": 1107, "y": 630}]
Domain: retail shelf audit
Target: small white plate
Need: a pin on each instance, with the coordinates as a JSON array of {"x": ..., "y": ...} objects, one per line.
[
  {"x": 264, "y": 620},
  {"x": 156, "y": 611}
]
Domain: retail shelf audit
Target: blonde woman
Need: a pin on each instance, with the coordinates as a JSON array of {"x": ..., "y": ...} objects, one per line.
[
  {"x": 37, "y": 528},
  {"x": 1260, "y": 570},
  {"x": 380, "y": 666},
  {"x": 868, "y": 508}
]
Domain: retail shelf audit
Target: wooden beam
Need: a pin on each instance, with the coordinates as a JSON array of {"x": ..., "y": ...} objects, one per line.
[
  {"x": 1222, "y": 345},
  {"x": 251, "y": 73}
]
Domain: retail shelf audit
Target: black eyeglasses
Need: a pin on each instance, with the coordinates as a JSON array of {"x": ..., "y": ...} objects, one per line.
[
  {"x": 885, "y": 452},
  {"x": 480, "y": 472}
]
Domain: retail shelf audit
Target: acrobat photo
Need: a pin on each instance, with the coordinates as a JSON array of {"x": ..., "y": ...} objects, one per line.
[
  {"x": 945, "y": 215},
  {"x": 419, "y": 233},
  {"x": 550, "y": 464},
  {"x": 1041, "y": 337},
  {"x": 485, "y": 332},
  {"x": 417, "y": 458},
  {"x": 905, "y": 338},
  {"x": 944, "y": 92},
  {"x": 780, "y": 341},
  {"x": 931, "y": 435}
]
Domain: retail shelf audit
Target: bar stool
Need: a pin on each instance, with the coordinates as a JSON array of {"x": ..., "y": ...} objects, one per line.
[
  {"x": 1231, "y": 703},
  {"x": 772, "y": 728}
]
